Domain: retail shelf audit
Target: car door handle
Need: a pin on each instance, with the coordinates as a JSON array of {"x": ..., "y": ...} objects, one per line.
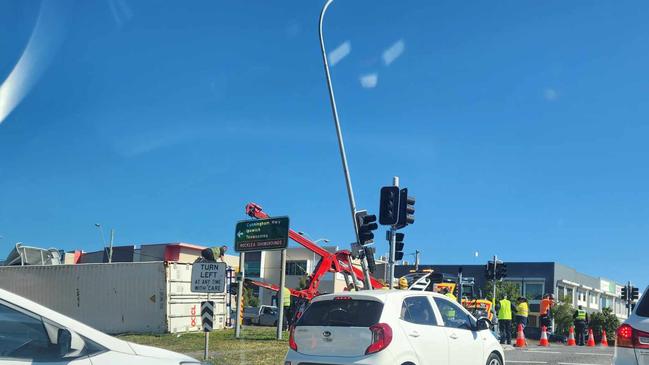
[
  {"x": 414, "y": 334},
  {"x": 453, "y": 336}
]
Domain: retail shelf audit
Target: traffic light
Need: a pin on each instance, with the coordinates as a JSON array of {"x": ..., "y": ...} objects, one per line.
[
  {"x": 501, "y": 271},
  {"x": 634, "y": 293},
  {"x": 398, "y": 247},
  {"x": 366, "y": 226},
  {"x": 625, "y": 293},
  {"x": 406, "y": 209},
  {"x": 489, "y": 270},
  {"x": 389, "y": 206},
  {"x": 369, "y": 255}
]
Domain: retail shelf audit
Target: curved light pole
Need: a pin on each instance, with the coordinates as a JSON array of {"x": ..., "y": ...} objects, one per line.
[{"x": 341, "y": 143}]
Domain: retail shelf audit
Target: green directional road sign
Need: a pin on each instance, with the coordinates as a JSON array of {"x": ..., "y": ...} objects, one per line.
[{"x": 261, "y": 234}]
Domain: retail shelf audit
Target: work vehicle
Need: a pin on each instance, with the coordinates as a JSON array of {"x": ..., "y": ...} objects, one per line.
[
  {"x": 428, "y": 280},
  {"x": 632, "y": 337},
  {"x": 391, "y": 327},
  {"x": 265, "y": 315},
  {"x": 33, "y": 334}
]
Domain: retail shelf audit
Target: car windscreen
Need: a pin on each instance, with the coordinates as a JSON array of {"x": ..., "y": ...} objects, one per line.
[
  {"x": 643, "y": 306},
  {"x": 339, "y": 313}
]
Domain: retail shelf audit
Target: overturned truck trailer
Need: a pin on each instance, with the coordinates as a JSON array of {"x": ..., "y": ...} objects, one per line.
[{"x": 138, "y": 297}]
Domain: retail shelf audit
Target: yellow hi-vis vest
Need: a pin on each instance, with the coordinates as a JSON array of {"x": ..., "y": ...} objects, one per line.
[
  {"x": 522, "y": 309},
  {"x": 581, "y": 315},
  {"x": 505, "y": 311},
  {"x": 286, "y": 297},
  {"x": 450, "y": 295}
]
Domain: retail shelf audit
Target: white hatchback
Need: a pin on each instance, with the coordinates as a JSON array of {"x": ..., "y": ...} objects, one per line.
[
  {"x": 391, "y": 327},
  {"x": 33, "y": 334},
  {"x": 632, "y": 340}
]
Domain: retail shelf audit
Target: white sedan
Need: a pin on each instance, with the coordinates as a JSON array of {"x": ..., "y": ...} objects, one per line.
[
  {"x": 399, "y": 327},
  {"x": 33, "y": 334},
  {"x": 632, "y": 341}
]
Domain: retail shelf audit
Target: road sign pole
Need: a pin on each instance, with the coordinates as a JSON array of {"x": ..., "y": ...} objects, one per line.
[
  {"x": 207, "y": 338},
  {"x": 629, "y": 299},
  {"x": 495, "y": 263},
  {"x": 280, "y": 296},
  {"x": 242, "y": 271}
]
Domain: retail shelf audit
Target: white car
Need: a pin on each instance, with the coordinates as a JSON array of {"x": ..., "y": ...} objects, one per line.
[
  {"x": 33, "y": 334},
  {"x": 632, "y": 340},
  {"x": 395, "y": 327}
]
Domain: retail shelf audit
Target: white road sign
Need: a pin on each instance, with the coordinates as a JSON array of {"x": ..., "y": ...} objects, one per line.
[{"x": 208, "y": 277}]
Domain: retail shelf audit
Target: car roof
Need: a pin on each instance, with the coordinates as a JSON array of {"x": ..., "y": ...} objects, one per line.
[{"x": 378, "y": 294}]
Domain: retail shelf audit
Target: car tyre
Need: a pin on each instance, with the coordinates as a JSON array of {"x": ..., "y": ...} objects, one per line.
[{"x": 494, "y": 359}]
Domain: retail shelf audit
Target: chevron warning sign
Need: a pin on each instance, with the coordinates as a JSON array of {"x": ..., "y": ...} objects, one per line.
[{"x": 207, "y": 315}]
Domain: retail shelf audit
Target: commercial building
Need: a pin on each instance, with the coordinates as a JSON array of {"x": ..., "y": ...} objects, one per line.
[{"x": 534, "y": 279}]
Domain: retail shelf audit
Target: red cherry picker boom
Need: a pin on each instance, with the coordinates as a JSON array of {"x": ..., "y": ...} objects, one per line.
[{"x": 337, "y": 262}]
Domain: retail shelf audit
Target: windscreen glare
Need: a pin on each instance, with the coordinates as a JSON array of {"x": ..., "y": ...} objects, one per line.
[{"x": 342, "y": 313}]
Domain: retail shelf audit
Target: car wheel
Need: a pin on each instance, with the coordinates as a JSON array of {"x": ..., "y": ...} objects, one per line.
[{"x": 494, "y": 359}]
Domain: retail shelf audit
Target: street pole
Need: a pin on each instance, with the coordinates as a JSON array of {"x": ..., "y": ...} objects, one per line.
[
  {"x": 393, "y": 241},
  {"x": 242, "y": 270},
  {"x": 207, "y": 336},
  {"x": 341, "y": 143},
  {"x": 629, "y": 299},
  {"x": 110, "y": 249},
  {"x": 101, "y": 232},
  {"x": 280, "y": 296},
  {"x": 459, "y": 285},
  {"x": 495, "y": 263},
  {"x": 417, "y": 260}
]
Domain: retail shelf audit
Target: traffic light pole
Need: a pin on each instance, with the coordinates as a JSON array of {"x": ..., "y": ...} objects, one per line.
[
  {"x": 495, "y": 264},
  {"x": 629, "y": 299},
  {"x": 341, "y": 143},
  {"x": 393, "y": 242}
]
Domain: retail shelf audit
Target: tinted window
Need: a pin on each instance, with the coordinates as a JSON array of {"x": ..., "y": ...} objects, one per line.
[
  {"x": 643, "y": 306},
  {"x": 418, "y": 310},
  {"x": 24, "y": 337},
  {"x": 352, "y": 313},
  {"x": 453, "y": 315}
]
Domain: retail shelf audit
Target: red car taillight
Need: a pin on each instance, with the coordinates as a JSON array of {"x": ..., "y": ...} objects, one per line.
[
  {"x": 381, "y": 338},
  {"x": 630, "y": 337},
  {"x": 624, "y": 336},
  {"x": 291, "y": 339}
]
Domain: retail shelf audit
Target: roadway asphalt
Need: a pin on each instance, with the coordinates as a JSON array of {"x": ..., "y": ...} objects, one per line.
[{"x": 558, "y": 354}]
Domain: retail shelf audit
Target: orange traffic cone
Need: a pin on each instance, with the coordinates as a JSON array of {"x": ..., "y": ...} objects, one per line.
[
  {"x": 520, "y": 337},
  {"x": 604, "y": 342},
  {"x": 591, "y": 338},
  {"x": 571, "y": 337},
  {"x": 544, "y": 337}
]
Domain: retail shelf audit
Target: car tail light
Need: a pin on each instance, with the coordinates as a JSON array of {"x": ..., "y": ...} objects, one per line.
[
  {"x": 291, "y": 339},
  {"x": 624, "y": 336},
  {"x": 381, "y": 338},
  {"x": 628, "y": 336}
]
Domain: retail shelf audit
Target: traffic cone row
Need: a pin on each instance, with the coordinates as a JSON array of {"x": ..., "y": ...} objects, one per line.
[
  {"x": 520, "y": 337},
  {"x": 544, "y": 337},
  {"x": 571, "y": 337}
]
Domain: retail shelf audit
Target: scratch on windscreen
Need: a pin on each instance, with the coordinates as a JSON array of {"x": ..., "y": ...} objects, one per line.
[{"x": 43, "y": 43}]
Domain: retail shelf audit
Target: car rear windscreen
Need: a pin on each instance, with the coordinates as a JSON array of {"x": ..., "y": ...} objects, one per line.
[
  {"x": 345, "y": 312},
  {"x": 643, "y": 306}
]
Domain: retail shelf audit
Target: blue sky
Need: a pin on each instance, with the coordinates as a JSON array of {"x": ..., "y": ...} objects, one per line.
[{"x": 520, "y": 126}]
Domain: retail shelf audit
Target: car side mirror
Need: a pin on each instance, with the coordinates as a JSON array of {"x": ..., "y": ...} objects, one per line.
[
  {"x": 69, "y": 343},
  {"x": 483, "y": 324}
]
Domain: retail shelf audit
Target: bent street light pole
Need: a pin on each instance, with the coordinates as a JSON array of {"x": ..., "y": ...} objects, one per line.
[{"x": 341, "y": 144}]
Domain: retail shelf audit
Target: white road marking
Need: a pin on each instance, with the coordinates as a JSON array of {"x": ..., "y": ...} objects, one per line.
[
  {"x": 544, "y": 352},
  {"x": 585, "y": 353}
]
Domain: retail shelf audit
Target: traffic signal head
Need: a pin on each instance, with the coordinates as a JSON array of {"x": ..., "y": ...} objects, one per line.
[
  {"x": 634, "y": 293},
  {"x": 369, "y": 255},
  {"x": 398, "y": 246},
  {"x": 489, "y": 270},
  {"x": 501, "y": 271},
  {"x": 625, "y": 293},
  {"x": 406, "y": 209},
  {"x": 389, "y": 206},
  {"x": 366, "y": 226}
]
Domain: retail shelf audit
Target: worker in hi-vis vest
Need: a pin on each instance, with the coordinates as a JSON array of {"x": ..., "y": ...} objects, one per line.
[
  {"x": 581, "y": 320},
  {"x": 214, "y": 254},
  {"x": 505, "y": 308},
  {"x": 522, "y": 312},
  {"x": 286, "y": 303}
]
